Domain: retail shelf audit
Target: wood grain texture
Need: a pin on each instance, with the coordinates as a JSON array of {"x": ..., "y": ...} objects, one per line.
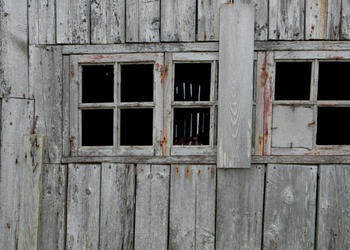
[
  {"x": 240, "y": 200},
  {"x": 16, "y": 120},
  {"x": 107, "y": 21},
  {"x": 333, "y": 207},
  {"x": 152, "y": 207},
  {"x": 345, "y": 20},
  {"x": 235, "y": 85},
  {"x": 290, "y": 207},
  {"x": 286, "y": 19},
  {"x": 47, "y": 21},
  {"x": 83, "y": 206},
  {"x": 192, "y": 207},
  {"x": 13, "y": 49},
  {"x": 30, "y": 193},
  {"x": 73, "y": 21},
  {"x": 178, "y": 20},
  {"x": 45, "y": 77},
  {"x": 117, "y": 206},
  {"x": 143, "y": 21},
  {"x": 52, "y": 227}
]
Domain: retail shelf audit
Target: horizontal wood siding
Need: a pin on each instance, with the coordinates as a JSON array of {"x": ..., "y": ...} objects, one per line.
[
  {"x": 333, "y": 211},
  {"x": 290, "y": 207}
]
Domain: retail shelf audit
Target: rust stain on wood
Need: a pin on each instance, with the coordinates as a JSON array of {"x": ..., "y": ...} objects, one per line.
[
  {"x": 32, "y": 130},
  {"x": 188, "y": 172},
  {"x": 177, "y": 170},
  {"x": 212, "y": 172},
  {"x": 163, "y": 143},
  {"x": 261, "y": 144},
  {"x": 263, "y": 73}
]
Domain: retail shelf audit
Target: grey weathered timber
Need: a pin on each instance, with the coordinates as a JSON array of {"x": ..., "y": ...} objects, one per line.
[
  {"x": 290, "y": 207},
  {"x": 235, "y": 102},
  {"x": 83, "y": 206},
  {"x": 152, "y": 207},
  {"x": 192, "y": 207},
  {"x": 142, "y": 21},
  {"x": 16, "y": 120},
  {"x": 286, "y": 19},
  {"x": 107, "y": 21},
  {"x": 13, "y": 49},
  {"x": 45, "y": 77},
  {"x": 333, "y": 207},
  {"x": 240, "y": 200},
  {"x": 30, "y": 192},
  {"x": 345, "y": 20},
  {"x": 302, "y": 159},
  {"x": 322, "y": 19},
  {"x": 52, "y": 227},
  {"x": 65, "y": 106},
  {"x": 178, "y": 20},
  {"x": 73, "y": 21},
  {"x": 117, "y": 206}
]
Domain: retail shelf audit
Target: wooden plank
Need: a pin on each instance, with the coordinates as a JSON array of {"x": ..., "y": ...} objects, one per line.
[
  {"x": 117, "y": 206},
  {"x": 66, "y": 66},
  {"x": 333, "y": 207},
  {"x": 14, "y": 48},
  {"x": 83, "y": 206},
  {"x": 302, "y": 159},
  {"x": 240, "y": 201},
  {"x": 290, "y": 207},
  {"x": 47, "y": 22},
  {"x": 52, "y": 227},
  {"x": 322, "y": 19},
  {"x": 235, "y": 85},
  {"x": 152, "y": 206},
  {"x": 178, "y": 20},
  {"x": 286, "y": 19},
  {"x": 33, "y": 22},
  {"x": 45, "y": 77},
  {"x": 73, "y": 21},
  {"x": 345, "y": 20},
  {"x": 31, "y": 182},
  {"x": 143, "y": 21},
  {"x": 192, "y": 207},
  {"x": 16, "y": 119},
  {"x": 107, "y": 21}
]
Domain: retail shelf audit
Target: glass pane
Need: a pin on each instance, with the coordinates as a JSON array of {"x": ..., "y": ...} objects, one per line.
[
  {"x": 136, "y": 127},
  {"x": 191, "y": 126},
  {"x": 333, "y": 81},
  {"x": 333, "y": 126},
  {"x": 192, "y": 81},
  {"x": 137, "y": 83},
  {"x": 293, "y": 81},
  {"x": 97, "y": 83},
  {"x": 97, "y": 127}
]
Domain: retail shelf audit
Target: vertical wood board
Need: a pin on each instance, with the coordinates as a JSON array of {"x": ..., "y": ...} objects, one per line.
[
  {"x": 192, "y": 207},
  {"x": 334, "y": 207},
  {"x": 240, "y": 201},
  {"x": 83, "y": 206},
  {"x": 345, "y": 20},
  {"x": 16, "y": 120},
  {"x": 52, "y": 227},
  {"x": 152, "y": 207},
  {"x": 235, "y": 102},
  {"x": 117, "y": 206},
  {"x": 290, "y": 207}
]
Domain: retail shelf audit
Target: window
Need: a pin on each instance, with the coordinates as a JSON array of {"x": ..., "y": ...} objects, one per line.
[
  {"x": 311, "y": 107},
  {"x": 125, "y": 104}
]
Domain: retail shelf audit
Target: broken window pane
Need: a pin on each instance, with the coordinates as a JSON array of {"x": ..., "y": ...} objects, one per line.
[
  {"x": 293, "y": 81},
  {"x": 192, "y": 81},
  {"x": 136, "y": 127},
  {"x": 333, "y": 126},
  {"x": 191, "y": 126},
  {"x": 97, "y": 83},
  {"x": 137, "y": 83},
  {"x": 97, "y": 127},
  {"x": 333, "y": 81}
]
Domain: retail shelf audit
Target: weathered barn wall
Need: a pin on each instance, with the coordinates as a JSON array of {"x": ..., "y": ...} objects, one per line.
[{"x": 111, "y": 204}]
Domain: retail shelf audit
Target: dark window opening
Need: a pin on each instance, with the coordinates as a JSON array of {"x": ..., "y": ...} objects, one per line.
[
  {"x": 333, "y": 126},
  {"x": 136, "y": 127},
  {"x": 192, "y": 81},
  {"x": 191, "y": 126},
  {"x": 137, "y": 83},
  {"x": 97, "y": 83},
  {"x": 333, "y": 81},
  {"x": 97, "y": 127},
  {"x": 293, "y": 80}
]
